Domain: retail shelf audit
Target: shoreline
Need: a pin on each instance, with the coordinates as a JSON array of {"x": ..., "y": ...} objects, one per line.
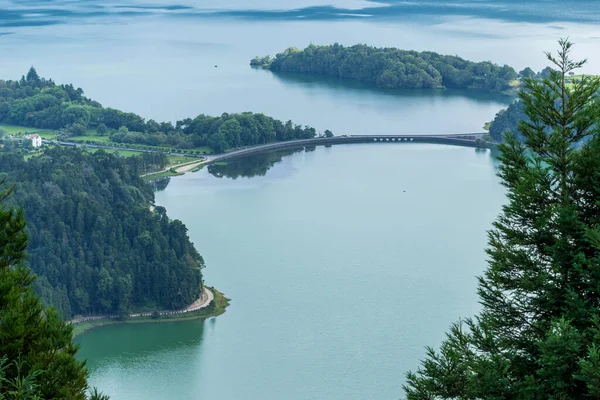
[{"x": 214, "y": 304}]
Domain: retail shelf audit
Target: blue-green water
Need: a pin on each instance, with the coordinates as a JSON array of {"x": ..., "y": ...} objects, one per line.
[
  {"x": 343, "y": 263},
  {"x": 158, "y": 59}
]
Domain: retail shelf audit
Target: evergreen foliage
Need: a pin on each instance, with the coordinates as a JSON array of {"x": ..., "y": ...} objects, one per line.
[
  {"x": 37, "y": 355},
  {"x": 538, "y": 334},
  {"x": 392, "y": 68},
  {"x": 508, "y": 121},
  {"x": 94, "y": 243}
]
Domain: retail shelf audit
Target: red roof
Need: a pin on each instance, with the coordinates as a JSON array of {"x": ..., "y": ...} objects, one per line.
[{"x": 34, "y": 136}]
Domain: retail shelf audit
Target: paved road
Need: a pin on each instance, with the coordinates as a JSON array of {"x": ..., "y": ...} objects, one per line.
[
  {"x": 205, "y": 298},
  {"x": 463, "y": 139}
]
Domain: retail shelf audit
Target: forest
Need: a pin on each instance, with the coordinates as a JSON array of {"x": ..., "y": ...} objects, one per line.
[
  {"x": 37, "y": 102},
  {"x": 94, "y": 243},
  {"x": 508, "y": 121},
  {"x": 392, "y": 68},
  {"x": 537, "y": 333}
]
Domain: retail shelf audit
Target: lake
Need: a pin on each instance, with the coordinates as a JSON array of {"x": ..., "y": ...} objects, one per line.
[
  {"x": 159, "y": 60},
  {"x": 342, "y": 263}
]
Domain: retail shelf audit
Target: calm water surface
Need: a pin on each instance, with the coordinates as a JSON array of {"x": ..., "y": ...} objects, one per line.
[
  {"x": 342, "y": 263},
  {"x": 159, "y": 59}
]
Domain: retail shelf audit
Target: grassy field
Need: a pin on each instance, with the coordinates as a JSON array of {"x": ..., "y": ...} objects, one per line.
[
  {"x": 17, "y": 130},
  {"x": 174, "y": 160},
  {"x": 91, "y": 135},
  {"x": 220, "y": 304},
  {"x": 123, "y": 153},
  {"x": 50, "y": 134}
]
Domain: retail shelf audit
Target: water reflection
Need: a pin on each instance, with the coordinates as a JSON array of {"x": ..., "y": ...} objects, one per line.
[
  {"x": 258, "y": 165},
  {"x": 309, "y": 81},
  {"x": 249, "y": 167},
  {"x": 160, "y": 184},
  {"x": 114, "y": 344}
]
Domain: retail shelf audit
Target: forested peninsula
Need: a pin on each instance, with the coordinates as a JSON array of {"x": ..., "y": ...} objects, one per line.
[
  {"x": 94, "y": 243},
  {"x": 392, "y": 68},
  {"x": 36, "y": 102}
]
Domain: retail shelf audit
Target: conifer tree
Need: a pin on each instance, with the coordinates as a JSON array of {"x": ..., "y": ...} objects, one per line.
[
  {"x": 37, "y": 354},
  {"x": 538, "y": 333},
  {"x": 32, "y": 76}
]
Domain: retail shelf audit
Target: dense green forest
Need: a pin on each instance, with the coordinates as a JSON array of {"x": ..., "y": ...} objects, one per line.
[
  {"x": 537, "y": 335},
  {"x": 36, "y": 102},
  {"x": 37, "y": 354},
  {"x": 94, "y": 243},
  {"x": 392, "y": 68},
  {"x": 508, "y": 121}
]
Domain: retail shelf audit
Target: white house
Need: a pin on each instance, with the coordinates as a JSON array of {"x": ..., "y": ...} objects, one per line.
[{"x": 36, "y": 140}]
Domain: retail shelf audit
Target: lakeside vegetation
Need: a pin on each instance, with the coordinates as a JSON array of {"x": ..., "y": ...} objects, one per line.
[
  {"x": 392, "y": 68},
  {"x": 508, "y": 120},
  {"x": 110, "y": 254},
  {"x": 537, "y": 335},
  {"x": 37, "y": 354},
  {"x": 41, "y": 105},
  {"x": 217, "y": 307}
]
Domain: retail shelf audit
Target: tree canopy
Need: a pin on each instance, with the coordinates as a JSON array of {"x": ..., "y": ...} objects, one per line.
[
  {"x": 40, "y": 103},
  {"x": 94, "y": 243},
  {"x": 37, "y": 354},
  {"x": 392, "y": 68},
  {"x": 508, "y": 120},
  {"x": 538, "y": 333}
]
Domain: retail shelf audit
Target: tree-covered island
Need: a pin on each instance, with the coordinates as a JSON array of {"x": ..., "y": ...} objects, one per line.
[{"x": 392, "y": 68}]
